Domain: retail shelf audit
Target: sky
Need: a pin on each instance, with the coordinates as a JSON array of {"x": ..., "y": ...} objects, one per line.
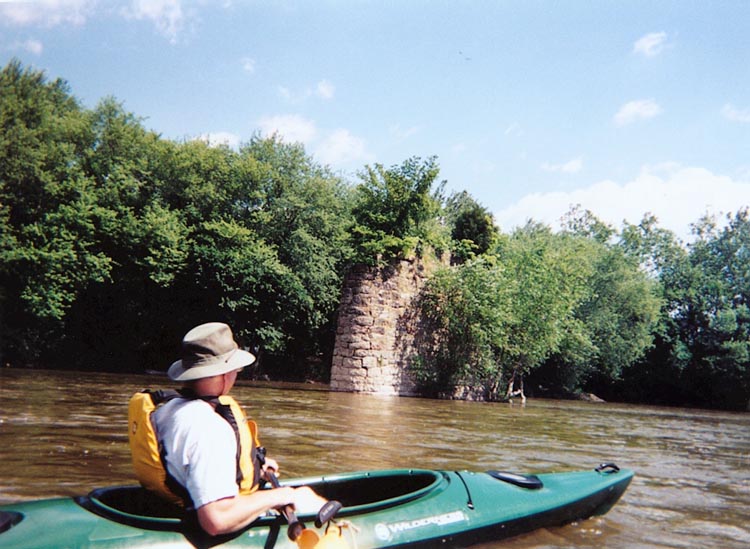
[{"x": 622, "y": 107}]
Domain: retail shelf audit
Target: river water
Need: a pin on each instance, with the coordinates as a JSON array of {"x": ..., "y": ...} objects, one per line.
[{"x": 63, "y": 433}]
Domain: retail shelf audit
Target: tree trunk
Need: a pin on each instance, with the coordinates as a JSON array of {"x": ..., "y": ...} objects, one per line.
[{"x": 512, "y": 391}]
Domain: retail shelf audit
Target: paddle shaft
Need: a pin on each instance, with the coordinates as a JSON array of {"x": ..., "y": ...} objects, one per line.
[{"x": 295, "y": 525}]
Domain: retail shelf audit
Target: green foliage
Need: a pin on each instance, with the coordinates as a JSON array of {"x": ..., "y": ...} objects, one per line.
[
  {"x": 657, "y": 250},
  {"x": 586, "y": 224},
  {"x": 162, "y": 237},
  {"x": 50, "y": 250},
  {"x": 491, "y": 318},
  {"x": 614, "y": 319},
  {"x": 714, "y": 309},
  {"x": 393, "y": 209},
  {"x": 302, "y": 211},
  {"x": 473, "y": 229},
  {"x": 619, "y": 313},
  {"x": 114, "y": 242},
  {"x": 200, "y": 181},
  {"x": 694, "y": 358},
  {"x": 550, "y": 283},
  {"x": 462, "y": 312},
  {"x": 563, "y": 307},
  {"x": 246, "y": 280},
  {"x": 60, "y": 257},
  {"x": 110, "y": 235}
]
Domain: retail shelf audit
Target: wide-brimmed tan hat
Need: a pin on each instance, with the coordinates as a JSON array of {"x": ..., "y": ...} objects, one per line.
[{"x": 209, "y": 350}]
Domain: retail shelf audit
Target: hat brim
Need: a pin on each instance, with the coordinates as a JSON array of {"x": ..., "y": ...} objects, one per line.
[{"x": 238, "y": 360}]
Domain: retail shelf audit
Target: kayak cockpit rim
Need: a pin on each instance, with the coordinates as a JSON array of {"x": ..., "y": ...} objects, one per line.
[
  {"x": 8, "y": 519},
  {"x": 133, "y": 506},
  {"x": 369, "y": 491},
  {"x": 359, "y": 493}
]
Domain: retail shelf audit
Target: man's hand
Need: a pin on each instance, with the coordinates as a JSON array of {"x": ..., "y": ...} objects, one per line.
[
  {"x": 306, "y": 501},
  {"x": 270, "y": 466}
]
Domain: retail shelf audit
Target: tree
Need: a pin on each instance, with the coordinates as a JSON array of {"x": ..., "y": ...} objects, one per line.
[
  {"x": 715, "y": 315},
  {"x": 392, "y": 210},
  {"x": 267, "y": 242},
  {"x": 658, "y": 376},
  {"x": 585, "y": 224},
  {"x": 462, "y": 314},
  {"x": 618, "y": 314},
  {"x": 145, "y": 241},
  {"x": 492, "y": 320},
  {"x": 105, "y": 227},
  {"x": 550, "y": 282},
  {"x": 473, "y": 229},
  {"x": 656, "y": 249},
  {"x": 614, "y": 320},
  {"x": 243, "y": 280},
  {"x": 302, "y": 210},
  {"x": 50, "y": 212},
  {"x": 565, "y": 309}
]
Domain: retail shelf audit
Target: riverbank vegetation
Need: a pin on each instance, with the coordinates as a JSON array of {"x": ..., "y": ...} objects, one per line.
[{"x": 115, "y": 241}]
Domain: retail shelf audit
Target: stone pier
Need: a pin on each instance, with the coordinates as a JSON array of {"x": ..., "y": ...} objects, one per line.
[{"x": 374, "y": 333}]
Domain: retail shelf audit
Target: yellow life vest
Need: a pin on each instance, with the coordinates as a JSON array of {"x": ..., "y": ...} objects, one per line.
[{"x": 146, "y": 452}]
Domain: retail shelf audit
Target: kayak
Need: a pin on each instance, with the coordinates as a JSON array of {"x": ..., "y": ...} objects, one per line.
[{"x": 388, "y": 508}]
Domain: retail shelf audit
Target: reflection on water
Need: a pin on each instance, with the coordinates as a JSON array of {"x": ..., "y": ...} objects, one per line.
[{"x": 63, "y": 433}]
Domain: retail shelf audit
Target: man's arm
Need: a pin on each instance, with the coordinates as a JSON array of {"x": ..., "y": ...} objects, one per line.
[{"x": 230, "y": 514}]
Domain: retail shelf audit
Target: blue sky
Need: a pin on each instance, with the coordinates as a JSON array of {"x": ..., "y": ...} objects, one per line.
[{"x": 624, "y": 107}]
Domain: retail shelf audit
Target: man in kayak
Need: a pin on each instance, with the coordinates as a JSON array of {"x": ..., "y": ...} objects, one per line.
[{"x": 206, "y": 444}]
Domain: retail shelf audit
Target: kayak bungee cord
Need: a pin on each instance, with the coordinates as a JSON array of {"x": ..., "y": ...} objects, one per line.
[{"x": 469, "y": 501}]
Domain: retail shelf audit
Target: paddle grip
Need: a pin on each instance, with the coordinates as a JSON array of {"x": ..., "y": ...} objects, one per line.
[{"x": 327, "y": 512}]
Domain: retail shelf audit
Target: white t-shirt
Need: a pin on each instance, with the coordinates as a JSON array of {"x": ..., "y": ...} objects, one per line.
[{"x": 201, "y": 449}]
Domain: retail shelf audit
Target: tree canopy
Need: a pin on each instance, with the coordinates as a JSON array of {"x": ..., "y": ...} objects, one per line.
[
  {"x": 395, "y": 211},
  {"x": 111, "y": 234},
  {"x": 563, "y": 302},
  {"x": 115, "y": 241}
]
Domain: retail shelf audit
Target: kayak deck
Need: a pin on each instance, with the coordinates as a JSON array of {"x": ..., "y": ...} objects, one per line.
[{"x": 389, "y": 508}]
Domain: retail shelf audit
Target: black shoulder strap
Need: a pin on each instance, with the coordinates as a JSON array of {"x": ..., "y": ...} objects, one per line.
[
  {"x": 160, "y": 396},
  {"x": 225, "y": 411}
]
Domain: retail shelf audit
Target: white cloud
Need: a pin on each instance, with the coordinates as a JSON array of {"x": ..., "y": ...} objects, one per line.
[
  {"x": 248, "y": 64},
  {"x": 651, "y": 44},
  {"x": 166, "y": 15},
  {"x": 676, "y": 195},
  {"x": 401, "y": 134},
  {"x": 325, "y": 89},
  {"x": 337, "y": 148},
  {"x": 514, "y": 129},
  {"x": 294, "y": 97},
  {"x": 572, "y": 166},
  {"x": 290, "y": 127},
  {"x": 46, "y": 13},
  {"x": 285, "y": 93},
  {"x": 734, "y": 114},
  {"x": 215, "y": 139},
  {"x": 341, "y": 147},
  {"x": 32, "y": 46},
  {"x": 632, "y": 111}
]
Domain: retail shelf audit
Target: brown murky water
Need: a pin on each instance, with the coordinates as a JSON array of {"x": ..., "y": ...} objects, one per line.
[{"x": 64, "y": 433}]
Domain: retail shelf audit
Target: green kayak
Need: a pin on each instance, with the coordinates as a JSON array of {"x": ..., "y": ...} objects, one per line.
[{"x": 392, "y": 508}]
